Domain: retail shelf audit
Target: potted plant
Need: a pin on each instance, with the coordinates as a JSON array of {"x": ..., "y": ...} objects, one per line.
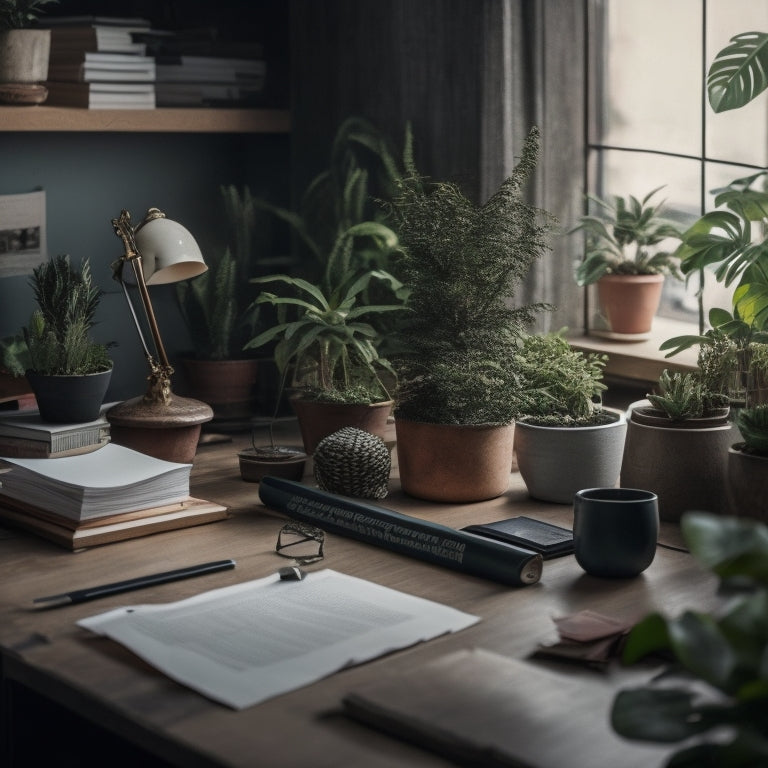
[
  {"x": 214, "y": 307},
  {"x": 624, "y": 259},
  {"x": 565, "y": 440},
  {"x": 748, "y": 465},
  {"x": 68, "y": 372},
  {"x": 458, "y": 382},
  {"x": 328, "y": 350},
  {"x": 24, "y": 52},
  {"x": 677, "y": 443},
  {"x": 711, "y": 697},
  {"x": 329, "y": 331}
]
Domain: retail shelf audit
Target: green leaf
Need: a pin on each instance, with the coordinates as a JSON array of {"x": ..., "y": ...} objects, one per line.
[
  {"x": 648, "y": 636},
  {"x": 739, "y": 72}
]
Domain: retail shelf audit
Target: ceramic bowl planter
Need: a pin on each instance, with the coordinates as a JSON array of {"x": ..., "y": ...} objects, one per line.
[
  {"x": 454, "y": 463},
  {"x": 630, "y": 302},
  {"x": 258, "y": 462},
  {"x": 69, "y": 399},
  {"x": 684, "y": 463},
  {"x": 747, "y": 483},
  {"x": 556, "y": 462},
  {"x": 319, "y": 419}
]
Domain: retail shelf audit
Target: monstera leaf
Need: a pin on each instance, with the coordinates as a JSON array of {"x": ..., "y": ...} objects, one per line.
[{"x": 739, "y": 72}]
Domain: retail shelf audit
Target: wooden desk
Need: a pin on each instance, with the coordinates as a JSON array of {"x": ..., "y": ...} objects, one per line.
[{"x": 45, "y": 655}]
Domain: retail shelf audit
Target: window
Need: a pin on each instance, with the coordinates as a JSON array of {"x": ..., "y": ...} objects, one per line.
[{"x": 650, "y": 124}]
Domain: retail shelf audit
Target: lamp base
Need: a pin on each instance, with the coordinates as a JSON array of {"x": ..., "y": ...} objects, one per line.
[{"x": 168, "y": 431}]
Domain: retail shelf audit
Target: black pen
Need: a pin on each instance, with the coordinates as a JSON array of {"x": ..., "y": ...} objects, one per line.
[{"x": 91, "y": 593}]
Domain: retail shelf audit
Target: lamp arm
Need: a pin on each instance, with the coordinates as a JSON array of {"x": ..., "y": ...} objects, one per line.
[{"x": 161, "y": 371}]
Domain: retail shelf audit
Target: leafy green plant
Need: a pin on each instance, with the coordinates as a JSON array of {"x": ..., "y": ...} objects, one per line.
[
  {"x": 58, "y": 335},
  {"x": 329, "y": 350},
  {"x": 561, "y": 386},
  {"x": 753, "y": 425},
  {"x": 19, "y": 14},
  {"x": 214, "y": 304},
  {"x": 461, "y": 263},
  {"x": 622, "y": 240},
  {"x": 739, "y": 72},
  {"x": 680, "y": 395},
  {"x": 718, "y": 658}
]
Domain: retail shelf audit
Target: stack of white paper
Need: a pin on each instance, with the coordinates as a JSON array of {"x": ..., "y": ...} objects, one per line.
[{"x": 109, "y": 481}]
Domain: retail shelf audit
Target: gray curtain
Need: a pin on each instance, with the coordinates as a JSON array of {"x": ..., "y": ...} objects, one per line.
[{"x": 472, "y": 77}]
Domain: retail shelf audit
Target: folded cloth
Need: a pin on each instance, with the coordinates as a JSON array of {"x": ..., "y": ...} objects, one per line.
[{"x": 587, "y": 637}]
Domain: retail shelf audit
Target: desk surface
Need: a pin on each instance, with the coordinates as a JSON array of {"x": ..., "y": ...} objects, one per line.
[{"x": 101, "y": 681}]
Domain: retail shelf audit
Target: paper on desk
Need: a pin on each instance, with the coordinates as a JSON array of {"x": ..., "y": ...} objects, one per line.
[{"x": 243, "y": 644}]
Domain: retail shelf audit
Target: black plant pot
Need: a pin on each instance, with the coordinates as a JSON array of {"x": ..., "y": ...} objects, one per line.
[{"x": 69, "y": 399}]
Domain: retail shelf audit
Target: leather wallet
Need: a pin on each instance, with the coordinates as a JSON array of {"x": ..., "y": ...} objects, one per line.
[{"x": 545, "y": 538}]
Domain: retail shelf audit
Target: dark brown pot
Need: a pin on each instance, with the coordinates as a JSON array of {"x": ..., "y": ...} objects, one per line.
[
  {"x": 685, "y": 466},
  {"x": 254, "y": 465},
  {"x": 654, "y": 417},
  {"x": 454, "y": 463},
  {"x": 318, "y": 419},
  {"x": 228, "y": 386},
  {"x": 630, "y": 302},
  {"x": 747, "y": 483}
]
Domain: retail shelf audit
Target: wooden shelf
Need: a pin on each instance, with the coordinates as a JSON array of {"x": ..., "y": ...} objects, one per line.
[{"x": 213, "y": 120}]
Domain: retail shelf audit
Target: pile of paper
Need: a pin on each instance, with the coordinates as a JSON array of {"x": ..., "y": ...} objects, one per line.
[{"x": 109, "y": 481}]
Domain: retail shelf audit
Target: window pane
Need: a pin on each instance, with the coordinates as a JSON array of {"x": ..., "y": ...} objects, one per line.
[{"x": 651, "y": 75}]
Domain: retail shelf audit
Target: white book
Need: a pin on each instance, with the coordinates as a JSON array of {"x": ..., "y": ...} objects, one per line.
[{"x": 109, "y": 481}]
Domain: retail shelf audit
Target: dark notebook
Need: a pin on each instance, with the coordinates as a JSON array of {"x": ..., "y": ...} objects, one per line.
[{"x": 545, "y": 538}]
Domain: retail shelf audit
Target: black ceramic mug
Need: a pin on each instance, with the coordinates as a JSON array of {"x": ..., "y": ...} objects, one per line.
[{"x": 615, "y": 530}]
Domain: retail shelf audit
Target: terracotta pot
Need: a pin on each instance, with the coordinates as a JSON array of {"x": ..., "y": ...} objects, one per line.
[
  {"x": 556, "y": 462},
  {"x": 686, "y": 467},
  {"x": 318, "y": 419},
  {"x": 630, "y": 302},
  {"x": 228, "y": 386},
  {"x": 69, "y": 399},
  {"x": 454, "y": 463},
  {"x": 747, "y": 483}
]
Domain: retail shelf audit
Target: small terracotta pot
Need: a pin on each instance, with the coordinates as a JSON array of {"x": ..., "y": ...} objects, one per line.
[
  {"x": 318, "y": 419},
  {"x": 454, "y": 463},
  {"x": 630, "y": 302},
  {"x": 255, "y": 465}
]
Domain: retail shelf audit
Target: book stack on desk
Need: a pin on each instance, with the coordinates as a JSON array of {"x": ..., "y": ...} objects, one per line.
[
  {"x": 110, "y": 494},
  {"x": 96, "y": 63}
]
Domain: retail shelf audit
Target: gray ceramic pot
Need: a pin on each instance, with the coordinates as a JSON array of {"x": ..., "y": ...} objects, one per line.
[{"x": 555, "y": 462}]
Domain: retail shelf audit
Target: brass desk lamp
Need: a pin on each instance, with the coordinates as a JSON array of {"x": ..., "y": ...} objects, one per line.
[{"x": 158, "y": 423}]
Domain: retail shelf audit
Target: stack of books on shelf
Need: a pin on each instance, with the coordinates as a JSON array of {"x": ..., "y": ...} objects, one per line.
[
  {"x": 196, "y": 69},
  {"x": 96, "y": 62},
  {"x": 109, "y": 494}
]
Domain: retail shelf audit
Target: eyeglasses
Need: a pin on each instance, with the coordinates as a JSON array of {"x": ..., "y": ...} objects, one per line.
[{"x": 302, "y": 543}]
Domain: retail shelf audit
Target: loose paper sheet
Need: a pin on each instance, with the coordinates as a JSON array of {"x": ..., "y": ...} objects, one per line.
[
  {"x": 22, "y": 233},
  {"x": 244, "y": 644}
]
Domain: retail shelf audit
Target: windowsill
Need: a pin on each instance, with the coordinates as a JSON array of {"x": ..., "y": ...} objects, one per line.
[{"x": 641, "y": 361}]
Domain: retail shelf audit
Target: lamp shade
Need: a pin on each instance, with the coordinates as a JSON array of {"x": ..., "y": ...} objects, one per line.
[{"x": 169, "y": 252}]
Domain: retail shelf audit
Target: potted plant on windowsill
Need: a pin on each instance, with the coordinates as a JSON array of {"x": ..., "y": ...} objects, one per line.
[
  {"x": 565, "y": 440},
  {"x": 458, "y": 382},
  {"x": 68, "y": 372},
  {"x": 624, "y": 258},
  {"x": 24, "y": 52}
]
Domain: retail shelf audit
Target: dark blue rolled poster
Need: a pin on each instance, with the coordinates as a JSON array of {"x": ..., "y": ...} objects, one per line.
[{"x": 407, "y": 535}]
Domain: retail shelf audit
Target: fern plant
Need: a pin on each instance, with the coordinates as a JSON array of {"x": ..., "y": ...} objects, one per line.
[
  {"x": 561, "y": 386},
  {"x": 461, "y": 263},
  {"x": 58, "y": 335}
]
